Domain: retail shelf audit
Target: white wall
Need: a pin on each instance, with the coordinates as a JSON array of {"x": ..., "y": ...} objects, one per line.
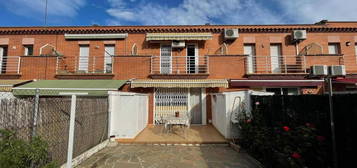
[
  {"x": 226, "y": 107},
  {"x": 128, "y": 114}
]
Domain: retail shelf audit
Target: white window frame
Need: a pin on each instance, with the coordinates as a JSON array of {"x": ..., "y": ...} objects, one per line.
[
  {"x": 250, "y": 57},
  {"x": 1, "y": 58},
  {"x": 26, "y": 51},
  {"x": 196, "y": 56},
  {"x": 356, "y": 52},
  {"x": 108, "y": 57},
  {"x": 81, "y": 58},
  {"x": 336, "y": 48},
  {"x": 275, "y": 58}
]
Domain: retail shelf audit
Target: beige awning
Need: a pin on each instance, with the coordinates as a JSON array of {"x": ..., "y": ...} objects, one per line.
[
  {"x": 178, "y": 36},
  {"x": 7, "y": 85},
  {"x": 179, "y": 83}
]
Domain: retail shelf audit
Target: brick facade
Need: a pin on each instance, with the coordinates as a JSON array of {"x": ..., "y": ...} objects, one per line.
[{"x": 228, "y": 65}]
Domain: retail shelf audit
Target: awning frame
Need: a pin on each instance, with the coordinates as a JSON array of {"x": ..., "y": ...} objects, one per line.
[
  {"x": 95, "y": 36},
  {"x": 178, "y": 36}
]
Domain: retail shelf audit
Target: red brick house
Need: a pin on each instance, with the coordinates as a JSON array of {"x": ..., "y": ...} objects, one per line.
[{"x": 180, "y": 66}]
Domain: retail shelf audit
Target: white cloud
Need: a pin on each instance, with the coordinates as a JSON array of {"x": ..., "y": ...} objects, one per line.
[
  {"x": 36, "y": 8},
  {"x": 315, "y": 10},
  {"x": 193, "y": 12},
  {"x": 232, "y": 11}
]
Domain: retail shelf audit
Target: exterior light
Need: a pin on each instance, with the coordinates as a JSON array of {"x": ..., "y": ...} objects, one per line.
[{"x": 348, "y": 43}]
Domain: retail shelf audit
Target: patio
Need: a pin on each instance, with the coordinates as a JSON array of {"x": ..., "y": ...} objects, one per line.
[
  {"x": 195, "y": 135},
  {"x": 174, "y": 156}
]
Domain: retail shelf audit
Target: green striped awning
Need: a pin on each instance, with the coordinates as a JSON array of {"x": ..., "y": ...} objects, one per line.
[
  {"x": 178, "y": 36},
  {"x": 56, "y": 87}
]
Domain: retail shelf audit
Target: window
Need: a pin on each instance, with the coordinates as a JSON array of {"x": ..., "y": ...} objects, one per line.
[
  {"x": 249, "y": 49},
  {"x": 356, "y": 51},
  {"x": 83, "y": 58},
  {"x": 275, "y": 54},
  {"x": 3, "y": 60},
  {"x": 192, "y": 58},
  {"x": 283, "y": 91},
  {"x": 28, "y": 50},
  {"x": 109, "y": 51},
  {"x": 165, "y": 59},
  {"x": 334, "y": 48}
]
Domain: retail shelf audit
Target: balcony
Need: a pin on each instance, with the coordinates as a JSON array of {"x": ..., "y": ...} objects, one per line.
[
  {"x": 10, "y": 67},
  {"x": 84, "y": 67},
  {"x": 288, "y": 64},
  {"x": 179, "y": 66}
]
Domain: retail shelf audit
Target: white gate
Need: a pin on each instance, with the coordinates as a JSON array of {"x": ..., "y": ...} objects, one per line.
[{"x": 128, "y": 114}]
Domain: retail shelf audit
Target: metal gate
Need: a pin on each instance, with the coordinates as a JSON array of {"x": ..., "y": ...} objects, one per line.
[{"x": 170, "y": 100}]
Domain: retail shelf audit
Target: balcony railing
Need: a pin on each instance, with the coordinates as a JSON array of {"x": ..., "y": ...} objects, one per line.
[
  {"x": 84, "y": 64},
  {"x": 288, "y": 64},
  {"x": 179, "y": 65},
  {"x": 10, "y": 64}
]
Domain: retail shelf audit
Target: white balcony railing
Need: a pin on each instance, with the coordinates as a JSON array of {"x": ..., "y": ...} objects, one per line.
[
  {"x": 179, "y": 65},
  {"x": 84, "y": 64},
  {"x": 288, "y": 63},
  {"x": 10, "y": 64}
]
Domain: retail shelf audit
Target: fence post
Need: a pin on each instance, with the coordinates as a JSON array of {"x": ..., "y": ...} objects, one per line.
[
  {"x": 332, "y": 123},
  {"x": 35, "y": 112},
  {"x": 71, "y": 125},
  {"x": 71, "y": 131}
]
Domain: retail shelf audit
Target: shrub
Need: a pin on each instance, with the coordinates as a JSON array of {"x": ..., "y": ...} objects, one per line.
[
  {"x": 18, "y": 153},
  {"x": 282, "y": 145}
]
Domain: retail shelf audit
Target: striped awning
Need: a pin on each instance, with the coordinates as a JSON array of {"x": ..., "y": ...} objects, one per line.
[
  {"x": 179, "y": 83},
  {"x": 7, "y": 85},
  {"x": 178, "y": 36},
  {"x": 274, "y": 83}
]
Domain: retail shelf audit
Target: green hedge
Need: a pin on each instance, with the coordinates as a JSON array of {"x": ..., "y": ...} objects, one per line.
[{"x": 18, "y": 153}]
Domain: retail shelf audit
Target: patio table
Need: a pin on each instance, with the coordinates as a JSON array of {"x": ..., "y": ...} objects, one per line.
[{"x": 171, "y": 121}]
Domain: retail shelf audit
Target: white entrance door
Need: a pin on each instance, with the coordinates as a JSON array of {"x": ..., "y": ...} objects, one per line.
[
  {"x": 250, "y": 51},
  {"x": 1, "y": 59},
  {"x": 165, "y": 59},
  {"x": 275, "y": 54},
  {"x": 195, "y": 106},
  {"x": 192, "y": 58},
  {"x": 83, "y": 58},
  {"x": 108, "y": 53}
]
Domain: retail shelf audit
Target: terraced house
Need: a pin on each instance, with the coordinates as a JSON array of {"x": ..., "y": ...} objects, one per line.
[{"x": 182, "y": 67}]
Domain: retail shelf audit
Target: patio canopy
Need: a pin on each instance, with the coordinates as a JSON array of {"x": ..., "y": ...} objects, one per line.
[
  {"x": 179, "y": 83},
  {"x": 274, "y": 83},
  {"x": 178, "y": 36},
  {"x": 7, "y": 85},
  {"x": 55, "y": 87}
]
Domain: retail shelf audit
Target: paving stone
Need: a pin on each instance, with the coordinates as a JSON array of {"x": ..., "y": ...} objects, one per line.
[{"x": 169, "y": 156}]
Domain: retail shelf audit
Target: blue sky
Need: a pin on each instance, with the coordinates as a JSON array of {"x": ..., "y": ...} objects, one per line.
[{"x": 174, "y": 12}]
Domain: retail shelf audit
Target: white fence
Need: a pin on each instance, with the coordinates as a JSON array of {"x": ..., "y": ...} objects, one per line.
[
  {"x": 225, "y": 108},
  {"x": 128, "y": 114}
]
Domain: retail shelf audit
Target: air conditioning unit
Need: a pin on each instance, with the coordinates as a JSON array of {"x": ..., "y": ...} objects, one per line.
[
  {"x": 299, "y": 34},
  {"x": 319, "y": 70},
  {"x": 178, "y": 44},
  {"x": 231, "y": 33},
  {"x": 337, "y": 70}
]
